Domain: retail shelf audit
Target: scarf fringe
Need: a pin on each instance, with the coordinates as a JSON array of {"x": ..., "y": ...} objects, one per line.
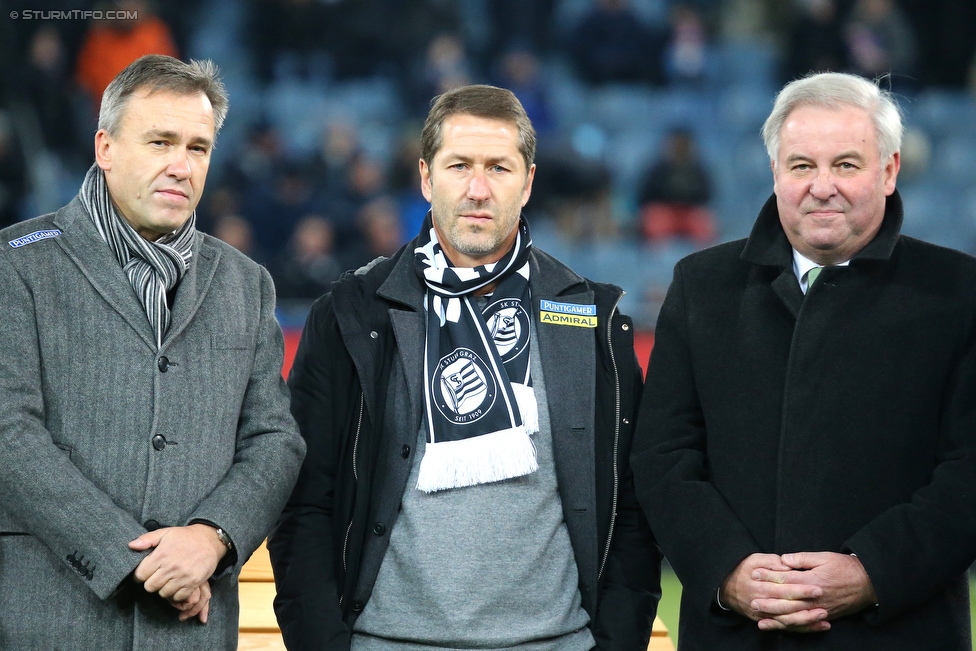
[
  {"x": 528, "y": 406},
  {"x": 481, "y": 459}
]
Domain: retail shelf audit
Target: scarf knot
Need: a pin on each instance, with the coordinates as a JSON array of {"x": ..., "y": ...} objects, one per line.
[{"x": 153, "y": 268}]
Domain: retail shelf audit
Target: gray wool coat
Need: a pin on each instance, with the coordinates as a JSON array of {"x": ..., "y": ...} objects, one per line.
[{"x": 102, "y": 436}]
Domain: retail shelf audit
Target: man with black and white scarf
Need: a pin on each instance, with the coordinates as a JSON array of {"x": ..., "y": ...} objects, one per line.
[
  {"x": 146, "y": 446},
  {"x": 467, "y": 406}
]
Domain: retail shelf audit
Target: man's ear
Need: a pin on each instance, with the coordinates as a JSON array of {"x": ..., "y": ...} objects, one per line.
[
  {"x": 425, "y": 180},
  {"x": 103, "y": 149}
]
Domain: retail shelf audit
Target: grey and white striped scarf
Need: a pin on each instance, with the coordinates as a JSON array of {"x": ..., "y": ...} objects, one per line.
[{"x": 153, "y": 268}]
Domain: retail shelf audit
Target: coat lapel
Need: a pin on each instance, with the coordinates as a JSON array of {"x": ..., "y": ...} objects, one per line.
[
  {"x": 569, "y": 368},
  {"x": 93, "y": 257},
  {"x": 193, "y": 287},
  {"x": 411, "y": 333}
]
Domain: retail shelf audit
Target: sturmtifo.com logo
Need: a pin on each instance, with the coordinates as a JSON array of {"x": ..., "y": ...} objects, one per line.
[
  {"x": 463, "y": 388},
  {"x": 75, "y": 14}
]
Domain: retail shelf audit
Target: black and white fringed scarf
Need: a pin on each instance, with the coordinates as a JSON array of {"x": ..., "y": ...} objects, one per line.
[
  {"x": 153, "y": 268},
  {"x": 481, "y": 408}
]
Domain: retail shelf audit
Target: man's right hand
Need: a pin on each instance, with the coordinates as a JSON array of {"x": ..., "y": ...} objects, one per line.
[
  {"x": 744, "y": 592},
  {"x": 196, "y": 605}
]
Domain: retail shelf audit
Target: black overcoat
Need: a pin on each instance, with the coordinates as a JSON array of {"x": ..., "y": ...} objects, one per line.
[{"x": 843, "y": 421}]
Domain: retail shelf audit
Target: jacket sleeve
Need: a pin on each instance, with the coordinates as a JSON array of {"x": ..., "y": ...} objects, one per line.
[
  {"x": 914, "y": 550},
  {"x": 632, "y": 588},
  {"x": 248, "y": 499},
  {"x": 303, "y": 542},
  {"x": 44, "y": 493},
  {"x": 700, "y": 535}
]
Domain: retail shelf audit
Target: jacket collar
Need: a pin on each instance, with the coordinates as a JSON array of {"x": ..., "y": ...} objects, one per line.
[
  {"x": 768, "y": 245},
  {"x": 547, "y": 278}
]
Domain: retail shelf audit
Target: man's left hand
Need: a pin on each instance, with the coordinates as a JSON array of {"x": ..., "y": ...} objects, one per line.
[
  {"x": 182, "y": 560},
  {"x": 846, "y": 586}
]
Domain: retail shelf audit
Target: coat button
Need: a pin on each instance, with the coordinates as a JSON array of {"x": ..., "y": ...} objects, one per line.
[
  {"x": 405, "y": 451},
  {"x": 163, "y": 364},
  {"x": 159, "y": 442},
  {"x": 357, "y": 606},
  {"x": 374, "y": 334},
  {"x": 625, "y": 327},
  {"x": 626, "y": 421},
  {"x": 150, "y": 525},
  {"x": 379, "y": 529}
]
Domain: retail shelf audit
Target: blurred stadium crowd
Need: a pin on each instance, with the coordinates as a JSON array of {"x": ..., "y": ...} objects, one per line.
[{"x": 648, "y": 114}]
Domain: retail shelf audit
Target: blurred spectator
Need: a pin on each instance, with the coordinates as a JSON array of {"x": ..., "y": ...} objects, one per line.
[
  {"x": 274, "y": 209},
  {"x": 675, "y": 193},
  {"x": 816, "y": 40},
  {"x": 381, "y": 232},
  {"x": 237, "y": 232},
  {"x": 259, "y": 160},
  {"x": 687, "y": 56},
  {"x": 444, "y": 67},
  {"x": 404, "y": 181},
  {"x": 611, "y": 44},
  {"x": 880, "y": 40},
  {"x": 13, "y": 175},
  {"x": 516, "y": 22},
  {"x": 111, "y": 45},
  {"x": 308, "y": 267},
  {"x": 46, "y": 83},
  {"x": 520, "y": 71},
  {"x": 290, "y": 38}
]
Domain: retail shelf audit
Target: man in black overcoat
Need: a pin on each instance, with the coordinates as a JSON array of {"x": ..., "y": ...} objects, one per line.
[{"x": 806, "y": 448}]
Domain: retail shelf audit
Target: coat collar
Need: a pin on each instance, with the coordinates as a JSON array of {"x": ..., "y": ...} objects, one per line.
[
  {"x": 767, "y": 244},
  {"x": 547, "y": 277},
  {"x": 82, "y": 243}
]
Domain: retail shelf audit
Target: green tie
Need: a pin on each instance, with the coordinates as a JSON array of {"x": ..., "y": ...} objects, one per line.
[{"x": 812, "y": 276}]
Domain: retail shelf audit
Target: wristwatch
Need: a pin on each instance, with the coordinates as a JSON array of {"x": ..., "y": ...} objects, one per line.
[{"x": 224, "y": 538}]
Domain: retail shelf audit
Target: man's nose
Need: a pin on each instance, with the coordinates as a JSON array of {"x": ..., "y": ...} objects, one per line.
[
  {"x": 478, "y": 187},
  {"x": 823, "y": 185},
  {"x": 179, "y": 165}
]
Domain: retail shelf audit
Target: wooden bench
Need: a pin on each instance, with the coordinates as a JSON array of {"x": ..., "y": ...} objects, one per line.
[{"x": 259, "y": 628}]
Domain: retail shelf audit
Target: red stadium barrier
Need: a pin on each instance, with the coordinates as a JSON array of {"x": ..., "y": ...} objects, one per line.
[{"x": 643, "y": 342}]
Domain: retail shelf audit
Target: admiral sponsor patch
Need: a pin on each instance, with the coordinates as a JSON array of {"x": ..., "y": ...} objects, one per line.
[
  {"x": 36, "y": 236},
  {"x": 569, "y": 314}
]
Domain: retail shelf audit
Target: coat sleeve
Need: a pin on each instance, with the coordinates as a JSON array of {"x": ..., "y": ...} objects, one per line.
[
  {"x": 304, "y": 542},
  {"x": 914, "y": 550},
  {"x": 632, "y": 588},
  {"x": 700, "y": 535},
  {"x": 248, "y": 499},
  {"x": 44, "y": 493}
]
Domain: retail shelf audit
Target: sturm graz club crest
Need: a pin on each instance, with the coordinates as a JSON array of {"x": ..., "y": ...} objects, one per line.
[
  {"x": 508, "y": 325},
  {"x": 463, "y": 387}
]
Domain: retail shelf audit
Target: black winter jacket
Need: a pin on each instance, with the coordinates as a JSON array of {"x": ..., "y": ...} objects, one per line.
[{"x": 331, "y": 539}]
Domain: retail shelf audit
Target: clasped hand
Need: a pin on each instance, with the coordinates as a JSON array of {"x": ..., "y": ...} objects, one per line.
[
  {"x": 180, "y": 565},
  {"x": 798, "y": 592}
]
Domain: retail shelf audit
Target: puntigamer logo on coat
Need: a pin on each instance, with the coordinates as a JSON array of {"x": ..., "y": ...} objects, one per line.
[
  {"x": 36, "y": 236},
  {"x": 570, "y": 314}
]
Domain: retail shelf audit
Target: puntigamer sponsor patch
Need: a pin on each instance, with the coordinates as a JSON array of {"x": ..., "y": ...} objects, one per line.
[
  {"x": 36, "y": 236},
  {"x": 569, "y": 314}
]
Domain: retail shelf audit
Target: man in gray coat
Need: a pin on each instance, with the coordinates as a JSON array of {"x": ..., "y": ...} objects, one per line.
[{"x": 146, "y": 446}]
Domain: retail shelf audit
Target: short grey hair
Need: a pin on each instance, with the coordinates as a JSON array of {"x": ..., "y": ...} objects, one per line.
[
  {"x": 162, "y": 73},
  {"x": 835, "y": 90}
]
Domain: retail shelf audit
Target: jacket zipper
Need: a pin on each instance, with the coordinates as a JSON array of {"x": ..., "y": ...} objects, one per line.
[
  {"x": 616, "y": 436},
  {"x": 355, "y": 474}
]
